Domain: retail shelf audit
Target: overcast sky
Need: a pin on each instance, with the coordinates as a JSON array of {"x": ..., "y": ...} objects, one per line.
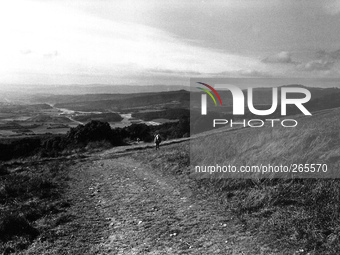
[{"x": 167, "y": 42}]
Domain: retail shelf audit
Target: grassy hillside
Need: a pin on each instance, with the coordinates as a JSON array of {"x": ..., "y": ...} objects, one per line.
[
  {"x": 298, "y": 214},
  {"x": 325, "y": 102},
  {"x": 32, "y": 203},
  {"x": 316, "y": 139}
]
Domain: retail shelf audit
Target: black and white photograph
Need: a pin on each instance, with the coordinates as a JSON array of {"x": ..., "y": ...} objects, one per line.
[{"x": 135, "y": 127}]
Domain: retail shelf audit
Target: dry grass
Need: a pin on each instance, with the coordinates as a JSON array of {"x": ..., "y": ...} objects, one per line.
[
  {"x": 27, "y": 195},
  {"x": 298, "y": 213},
  {"x": 316, "y": 139}
]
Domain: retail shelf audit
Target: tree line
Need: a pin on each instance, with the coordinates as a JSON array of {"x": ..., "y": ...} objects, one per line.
[{"x": 82, "y": 135}]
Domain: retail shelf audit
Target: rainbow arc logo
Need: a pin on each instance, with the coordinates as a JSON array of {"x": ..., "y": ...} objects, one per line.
[
  {"x": 208, "y": 92},
  {"x": 204, "y": 97}
]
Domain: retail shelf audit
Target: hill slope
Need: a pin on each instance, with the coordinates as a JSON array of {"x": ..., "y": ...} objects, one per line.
[
  {"x": 135, "y": 200},
  {"x": 316, "y": 139},
  {"x": 299, "y": 212},
  {"x": 125, "y": 101}
]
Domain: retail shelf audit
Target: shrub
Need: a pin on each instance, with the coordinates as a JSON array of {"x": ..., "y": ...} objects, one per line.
[
  {"x": 93, "y": 131},
  {"x": 3, "y": 171},
  {"x": 12, "y": 225}
]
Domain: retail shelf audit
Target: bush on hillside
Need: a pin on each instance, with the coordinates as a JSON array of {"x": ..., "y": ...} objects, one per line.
[
  {"x": 19, "y": 148},
  {"x": 92, "y": 131},
  {"x": 12, "y": 225},
  {"x": 141, "y": 131}
]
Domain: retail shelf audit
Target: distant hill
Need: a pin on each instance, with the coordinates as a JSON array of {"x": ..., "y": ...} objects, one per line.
[
  {"x": 28, "y": 93},
  {"x": 24, "y": 108},
  {"x": 171, "y": 114},
  {"x": 263, "y": 96},
  {"x": 60, "y": 99},
  {"x": 105, "y": 117},
  {"x": 47, "y": 118},
  {"x": 322, "y": 98},
  {"x": 108, "y": 89},
  {"x": 121, "y": 102}
]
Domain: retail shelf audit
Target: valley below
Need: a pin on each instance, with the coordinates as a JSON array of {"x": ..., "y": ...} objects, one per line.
[{"x": 46, "y": 116}]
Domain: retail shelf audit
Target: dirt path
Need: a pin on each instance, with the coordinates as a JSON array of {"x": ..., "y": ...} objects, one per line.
[
  {"x": 124, "y": 207},
  {"x": 150, "y": 213}
]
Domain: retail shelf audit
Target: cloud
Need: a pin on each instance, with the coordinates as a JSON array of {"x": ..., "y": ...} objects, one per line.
[
  {"x": 95, "y": 46},
  {"x": 242, "y": 73},
  {"x": 89, "y": 41},
  {"x": 332, "y": 7},
  {"x": 318, "y": 65},
  {"x": 325, "y": 61},
  {"x": 174, "y": 72},
  {"x": 334, "y": 55},
  {"x": 51, "y": 54},
  {"x": 26, "y": 52},
  {"x": 283, "y": 57}
]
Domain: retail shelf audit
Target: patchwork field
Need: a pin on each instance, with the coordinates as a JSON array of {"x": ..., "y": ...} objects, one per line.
[{"x": 58, "y": 113}]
